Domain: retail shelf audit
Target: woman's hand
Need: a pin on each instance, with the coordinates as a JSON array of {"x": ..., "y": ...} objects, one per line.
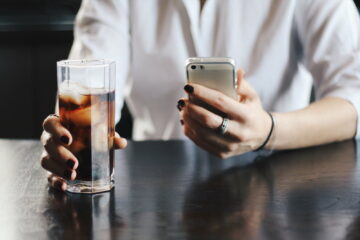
[
  {"x": 248, "y": 127},
  {"x": 56, "y": 158}
]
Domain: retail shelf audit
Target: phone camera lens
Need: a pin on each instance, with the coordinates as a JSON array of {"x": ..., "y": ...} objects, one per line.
[{"x": 193, "y": 67}]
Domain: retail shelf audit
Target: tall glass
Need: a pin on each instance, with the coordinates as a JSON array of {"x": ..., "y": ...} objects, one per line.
[{"x": 86, "y": 91}]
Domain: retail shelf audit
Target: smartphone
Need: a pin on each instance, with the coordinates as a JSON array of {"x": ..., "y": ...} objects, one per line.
[{"x": 215, "y": 73}]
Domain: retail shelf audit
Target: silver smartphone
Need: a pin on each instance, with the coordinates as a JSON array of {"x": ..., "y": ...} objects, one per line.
[{"x": 215, "y": 73}]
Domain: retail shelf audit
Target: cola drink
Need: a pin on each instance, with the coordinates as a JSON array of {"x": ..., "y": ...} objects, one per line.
[
  {"x": 89, "y": 116},
  {"x": 86, "y": 89}
]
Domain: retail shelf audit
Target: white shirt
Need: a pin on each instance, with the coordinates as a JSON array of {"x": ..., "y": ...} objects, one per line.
[{"x": 285, "y": 47}]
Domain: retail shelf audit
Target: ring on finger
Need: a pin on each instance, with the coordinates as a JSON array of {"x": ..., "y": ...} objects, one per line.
[{"x": 223, "y": 126}]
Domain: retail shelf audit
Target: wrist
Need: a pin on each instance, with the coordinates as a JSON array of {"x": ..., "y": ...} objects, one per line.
[
  {"x": 269, "y": 132},
  {"x": 270, "y": 145}
]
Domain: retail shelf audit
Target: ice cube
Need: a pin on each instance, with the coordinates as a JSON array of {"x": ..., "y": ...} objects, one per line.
[
  {"x": 74, "y": 92},
  {"x": 80, "y": 117}
]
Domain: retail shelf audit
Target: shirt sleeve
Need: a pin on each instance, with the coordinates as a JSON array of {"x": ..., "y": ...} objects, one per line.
[
  {"x": 102, "y": 31},
  {"x": 330, "y": 34}
]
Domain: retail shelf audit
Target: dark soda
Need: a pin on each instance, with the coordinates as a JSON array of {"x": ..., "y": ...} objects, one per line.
[{"x": 90, "y": 120}]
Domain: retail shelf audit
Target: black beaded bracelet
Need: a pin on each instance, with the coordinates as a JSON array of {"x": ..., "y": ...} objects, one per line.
[{"x": 270, "y": 133}]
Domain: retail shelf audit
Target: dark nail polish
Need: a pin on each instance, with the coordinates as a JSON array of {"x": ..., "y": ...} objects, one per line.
[
  {"x": 64, "y": 139},
  {"x": 67, "y": 174},
  {"x": 182, "y": 122},
  {"x": 58, "y": 185},
  {"x": 70, "y": 163},
  {"x": 180, "y": 104},
  {"x": 189, "y": 89}
]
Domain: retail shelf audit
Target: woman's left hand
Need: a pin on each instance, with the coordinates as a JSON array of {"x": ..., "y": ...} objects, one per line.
[{"x": 248, "y": 126}]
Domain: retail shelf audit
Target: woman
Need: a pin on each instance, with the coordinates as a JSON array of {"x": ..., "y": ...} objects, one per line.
[{"x": 285, "y": 47}]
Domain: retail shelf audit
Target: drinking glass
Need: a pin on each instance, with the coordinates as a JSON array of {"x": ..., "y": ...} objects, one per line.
[{"x": 86, "y": 91}]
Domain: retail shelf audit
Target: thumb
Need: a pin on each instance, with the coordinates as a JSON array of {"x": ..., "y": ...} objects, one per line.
[
  {"x": 244, "y": 89},
  {"x": 240, "y": 77},
  {"x": 119, "y": 142}
]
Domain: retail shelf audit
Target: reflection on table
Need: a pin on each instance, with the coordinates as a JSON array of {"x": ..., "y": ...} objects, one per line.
[{"x": 174, "y": 190}]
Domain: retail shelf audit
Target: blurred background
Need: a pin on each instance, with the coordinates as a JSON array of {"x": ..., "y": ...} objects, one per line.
[{"x": 34, "y": 34}]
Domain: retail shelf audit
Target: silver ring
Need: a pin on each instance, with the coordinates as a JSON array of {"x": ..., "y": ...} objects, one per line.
[{"x": 224, "y": 125}]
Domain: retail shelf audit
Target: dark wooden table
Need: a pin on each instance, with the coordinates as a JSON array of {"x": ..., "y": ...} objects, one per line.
[{"x": 173, "y": 190}]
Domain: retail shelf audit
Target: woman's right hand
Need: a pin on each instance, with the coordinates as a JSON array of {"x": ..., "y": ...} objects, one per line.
[{"x": 56, "y": 158}]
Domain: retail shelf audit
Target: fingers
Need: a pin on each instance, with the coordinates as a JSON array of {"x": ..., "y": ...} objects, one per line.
[
  {"x": 211, "y": 121},
  {"x": 57, "y": 158},
  {"x": 60, "y": 154},
  {"x": 201, "y": 115},
  {"x": 57, "y": 168},
  {"x": 209, "y": 140},
  {"x": 217, "y": 141},
  {"x": 195, "y": 135},
  {"x": 53, "y": 126},
  {"x": 119, "y": 142},
  {"x": 220, "y": 101},
  {"x": 57, "y": 182}
]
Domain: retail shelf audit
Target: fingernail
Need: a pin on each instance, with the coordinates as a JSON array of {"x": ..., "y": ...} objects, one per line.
[
  {"x": 70, "y": 163},
  {"x": 58, "y": 185},
  {"x": 64, "y": 139},
  {"x": 67, "y": 174},
  {"x": 180, "y": 104},
  {"x": 182, "y": 122},
  {"x": 189, "y": 89}
]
